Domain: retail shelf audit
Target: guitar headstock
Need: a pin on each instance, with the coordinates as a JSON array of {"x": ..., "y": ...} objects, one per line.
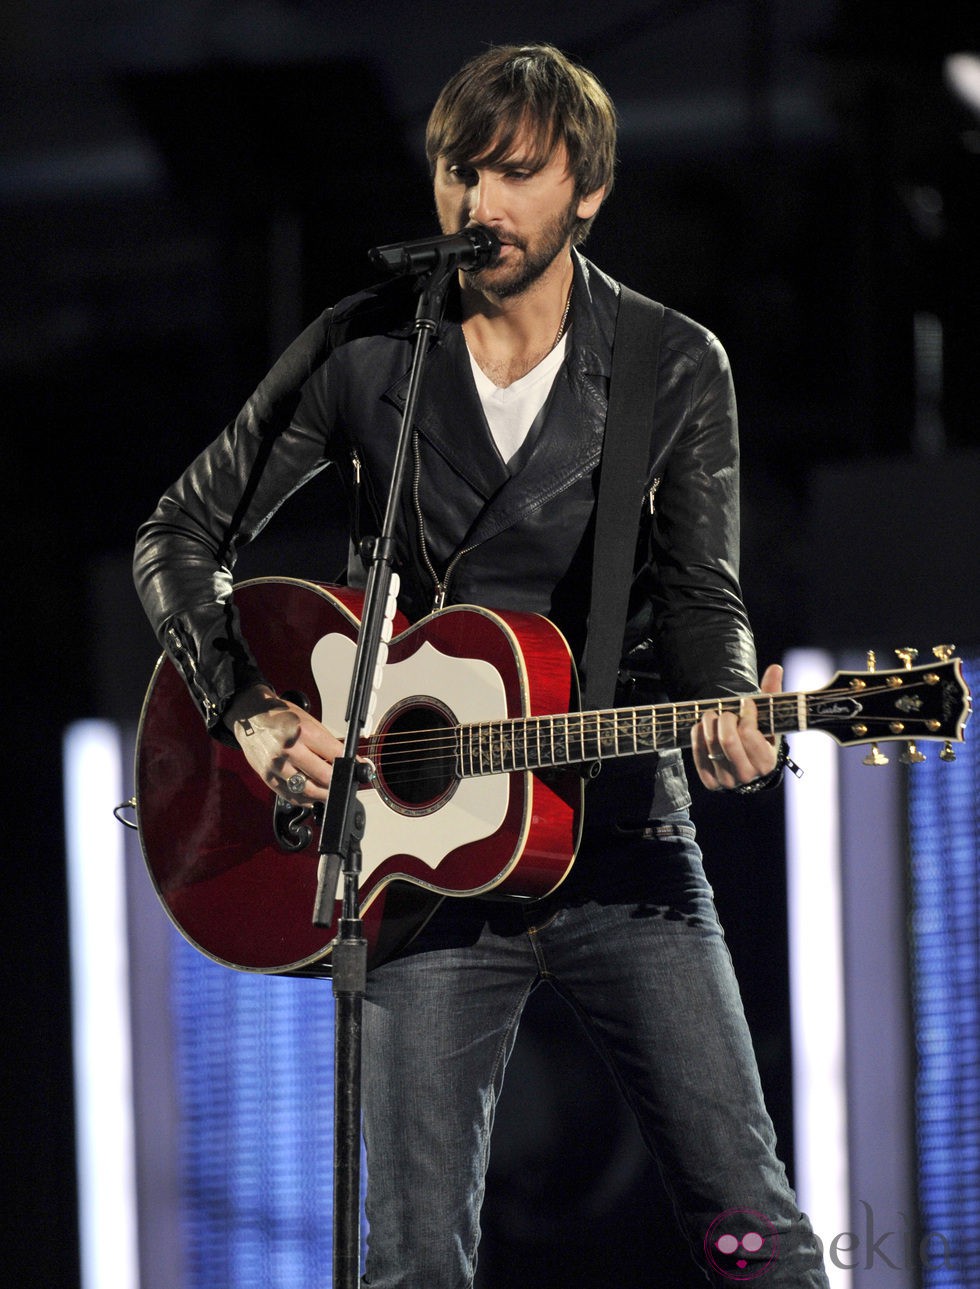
[{"x": 906, "y": 704}]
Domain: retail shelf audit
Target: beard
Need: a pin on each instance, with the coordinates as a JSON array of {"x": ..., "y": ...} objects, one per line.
[{"x": 537, "y": 257}]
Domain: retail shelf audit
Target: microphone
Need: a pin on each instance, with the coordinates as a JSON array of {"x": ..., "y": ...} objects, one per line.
[{"x": 471, "y": 248}]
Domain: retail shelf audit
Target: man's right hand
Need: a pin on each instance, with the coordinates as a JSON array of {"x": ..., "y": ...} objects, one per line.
[{"x": 290, "y": 751}]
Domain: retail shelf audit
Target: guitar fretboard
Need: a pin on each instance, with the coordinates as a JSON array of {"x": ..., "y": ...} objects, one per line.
[{"x": 539, "y": 742}]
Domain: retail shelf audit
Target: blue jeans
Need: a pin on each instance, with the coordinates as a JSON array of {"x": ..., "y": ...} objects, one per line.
[{"x": 633, "y": 942}]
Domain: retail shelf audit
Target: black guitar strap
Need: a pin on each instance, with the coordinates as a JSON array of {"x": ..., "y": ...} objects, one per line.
[{"x": 622, "y": 479}]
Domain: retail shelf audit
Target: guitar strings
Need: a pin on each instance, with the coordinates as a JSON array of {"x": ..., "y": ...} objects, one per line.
[{"x": 649, "y": 723}]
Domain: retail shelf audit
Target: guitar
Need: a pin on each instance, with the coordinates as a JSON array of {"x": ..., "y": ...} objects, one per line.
[{"x": 476, "y": 749}]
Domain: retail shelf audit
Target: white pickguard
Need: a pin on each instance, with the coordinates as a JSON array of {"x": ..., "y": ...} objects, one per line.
[{"x": 473, "y": 691}]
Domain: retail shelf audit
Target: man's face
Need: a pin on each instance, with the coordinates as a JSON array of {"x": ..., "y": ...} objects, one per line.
[{"x": 532, "y": 212}]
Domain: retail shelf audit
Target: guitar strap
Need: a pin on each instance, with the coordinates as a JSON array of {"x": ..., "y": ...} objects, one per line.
[{"x": 622, "y": 479}]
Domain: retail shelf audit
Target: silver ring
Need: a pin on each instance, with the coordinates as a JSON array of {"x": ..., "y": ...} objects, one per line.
[
  {"x": 296, "y": 782},
  {"x": 716, "y": 756}
]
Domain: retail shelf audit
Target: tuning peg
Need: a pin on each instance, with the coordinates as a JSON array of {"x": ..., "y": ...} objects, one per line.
[
  {"x": 907, "y": 656},
  {"x": 911, "y": 755},
  {"x": 875, "y": 757},
  {"x": 947, "y": 754},
  {"x": 871, "y": 660},
  {"x": 943, "y": 652}
]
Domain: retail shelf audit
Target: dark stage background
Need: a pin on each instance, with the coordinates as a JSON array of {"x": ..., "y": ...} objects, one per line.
[{"x": 183, "y": 185}]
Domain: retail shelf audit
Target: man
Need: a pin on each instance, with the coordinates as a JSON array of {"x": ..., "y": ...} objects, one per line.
[{"x": 507, "y": 442}]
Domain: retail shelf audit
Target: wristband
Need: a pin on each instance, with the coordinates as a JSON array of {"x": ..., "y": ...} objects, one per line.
[{"x": 775, "y": 775}]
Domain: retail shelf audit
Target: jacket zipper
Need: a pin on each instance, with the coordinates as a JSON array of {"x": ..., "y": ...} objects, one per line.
[
  {"x": 356, "y": 463},
  {"x": 440, "y": 584}
]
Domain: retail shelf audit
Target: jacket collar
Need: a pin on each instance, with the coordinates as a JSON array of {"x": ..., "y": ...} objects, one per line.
[
  {"x": 570, "y": 442},
  {"x": 595, "y": 301}
]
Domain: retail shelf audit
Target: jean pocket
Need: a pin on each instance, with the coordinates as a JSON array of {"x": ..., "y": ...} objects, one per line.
[
  {"x": 662, "y": 830},
  {"x": 677, "y": 827}
]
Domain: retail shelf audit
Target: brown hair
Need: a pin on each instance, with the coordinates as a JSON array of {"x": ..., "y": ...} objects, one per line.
[{"x": 481, "y": 110}]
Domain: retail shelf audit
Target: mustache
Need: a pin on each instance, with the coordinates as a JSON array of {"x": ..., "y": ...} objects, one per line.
[{"x": 504, "y": 237}]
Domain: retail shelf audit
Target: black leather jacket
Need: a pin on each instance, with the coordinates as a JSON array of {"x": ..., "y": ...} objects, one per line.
[{"x": 520, "y": 541}]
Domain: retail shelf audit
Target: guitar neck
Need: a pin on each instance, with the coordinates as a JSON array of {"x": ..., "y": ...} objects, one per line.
[
  {"x": 931, "y": 701},
  {"x": 543, "y": 742}
]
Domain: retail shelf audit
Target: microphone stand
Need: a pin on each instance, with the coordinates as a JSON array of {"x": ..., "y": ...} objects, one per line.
[{"x": 344, "y": 818}]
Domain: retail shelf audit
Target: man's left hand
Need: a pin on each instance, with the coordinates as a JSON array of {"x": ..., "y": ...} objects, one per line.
[{"x": 729, "y": 748}]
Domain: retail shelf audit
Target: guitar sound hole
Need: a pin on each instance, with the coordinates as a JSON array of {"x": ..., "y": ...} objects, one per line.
[{"x": 415, "y": 756}]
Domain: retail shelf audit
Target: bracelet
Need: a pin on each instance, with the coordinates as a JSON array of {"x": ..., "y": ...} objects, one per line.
[{"x": 775, "y": 775}]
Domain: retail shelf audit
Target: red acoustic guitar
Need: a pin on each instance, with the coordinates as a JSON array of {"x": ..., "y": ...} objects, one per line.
[{"x": 476, "y": 748}]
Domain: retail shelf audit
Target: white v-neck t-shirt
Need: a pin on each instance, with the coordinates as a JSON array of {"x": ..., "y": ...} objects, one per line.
[{"x": 511, "y": 412}]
